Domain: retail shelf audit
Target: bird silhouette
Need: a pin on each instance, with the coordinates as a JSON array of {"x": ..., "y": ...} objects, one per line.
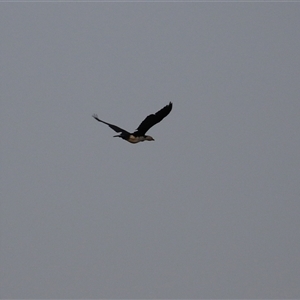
[{"x": 139, "y": 135}]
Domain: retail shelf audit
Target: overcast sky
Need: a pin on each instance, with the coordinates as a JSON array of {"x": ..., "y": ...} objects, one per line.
[{"x": 209, "y": 210}]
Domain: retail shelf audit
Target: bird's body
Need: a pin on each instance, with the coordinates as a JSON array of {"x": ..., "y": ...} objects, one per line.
[{"x": 140, "y": 134}]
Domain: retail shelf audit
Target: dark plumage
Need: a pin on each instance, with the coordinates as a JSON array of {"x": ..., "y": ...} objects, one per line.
[{"x": 139, "y": 134}]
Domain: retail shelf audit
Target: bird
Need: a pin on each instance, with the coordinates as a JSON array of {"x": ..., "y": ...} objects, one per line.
[{"x": 139, "y": 135}]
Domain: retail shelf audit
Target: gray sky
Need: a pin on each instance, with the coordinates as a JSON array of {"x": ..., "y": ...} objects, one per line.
[{"x": 209, "y": 210}]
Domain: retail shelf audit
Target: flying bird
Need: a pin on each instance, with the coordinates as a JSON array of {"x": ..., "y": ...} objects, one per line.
[{"x": 140, "y": 133}]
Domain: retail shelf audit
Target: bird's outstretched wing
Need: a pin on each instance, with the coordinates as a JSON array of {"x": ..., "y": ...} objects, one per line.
[
  {"x": 153, "y": 119},
  {"x": 114, "y": 127}
]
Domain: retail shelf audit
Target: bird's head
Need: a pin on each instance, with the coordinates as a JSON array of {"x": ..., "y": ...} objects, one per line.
[{"x": 149, "y": 138}]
